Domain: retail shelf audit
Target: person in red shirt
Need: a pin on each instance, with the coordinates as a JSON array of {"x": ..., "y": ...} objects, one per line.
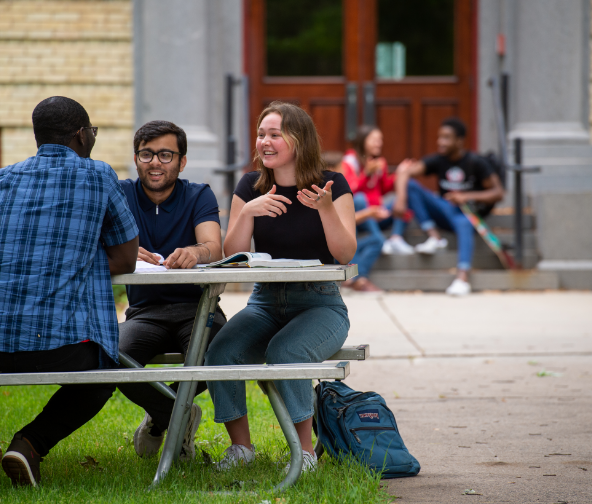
[{"x": 366, "y": 171}]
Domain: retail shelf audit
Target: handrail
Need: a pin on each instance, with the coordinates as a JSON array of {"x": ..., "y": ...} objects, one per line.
[{"x": 501, "y": 120}]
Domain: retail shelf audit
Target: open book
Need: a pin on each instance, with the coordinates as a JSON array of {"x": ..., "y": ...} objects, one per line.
[{"x": 260, "y": 260}]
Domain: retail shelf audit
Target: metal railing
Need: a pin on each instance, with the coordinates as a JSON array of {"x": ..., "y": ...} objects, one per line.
[
  {"x": 499, "y": 87},
  {"x": 232, "y": 166}
]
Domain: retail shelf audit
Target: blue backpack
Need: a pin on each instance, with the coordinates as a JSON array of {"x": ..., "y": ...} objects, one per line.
[{"x": 360, "y": 423}]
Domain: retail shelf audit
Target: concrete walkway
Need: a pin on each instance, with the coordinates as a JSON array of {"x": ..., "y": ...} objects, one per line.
[{"x": 492, "y": 392}]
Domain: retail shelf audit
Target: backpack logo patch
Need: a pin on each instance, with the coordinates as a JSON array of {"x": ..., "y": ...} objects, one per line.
[{"x": 369, "y": 415}]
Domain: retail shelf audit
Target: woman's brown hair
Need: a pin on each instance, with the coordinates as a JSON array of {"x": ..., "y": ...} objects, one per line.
[
  {"x": 359, "y": 142},
  {"x": 299, "y": 132}
]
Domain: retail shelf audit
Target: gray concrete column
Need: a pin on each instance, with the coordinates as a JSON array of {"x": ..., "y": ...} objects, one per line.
[
  {"x": 182, "y": 50},
  {"x": 550, "y": 71}
]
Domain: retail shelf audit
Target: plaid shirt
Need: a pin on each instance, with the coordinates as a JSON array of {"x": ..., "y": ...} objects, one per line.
[{"x": 58, "y": 211}]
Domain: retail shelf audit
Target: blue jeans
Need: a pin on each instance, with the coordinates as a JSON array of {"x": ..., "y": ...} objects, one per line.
[
  {"x": 283, "y": 323},
  {"x": 431, "y": 211},
  {"x": 369, "y": 246}
]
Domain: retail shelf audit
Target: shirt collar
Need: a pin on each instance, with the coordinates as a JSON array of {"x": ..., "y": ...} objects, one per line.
[
  {"x": 168, "y": 205},
  {"x": 54, "y": 150}
]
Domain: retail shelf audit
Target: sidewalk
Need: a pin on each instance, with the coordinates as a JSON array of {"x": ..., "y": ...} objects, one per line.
[{"x": 462, "y": 377}]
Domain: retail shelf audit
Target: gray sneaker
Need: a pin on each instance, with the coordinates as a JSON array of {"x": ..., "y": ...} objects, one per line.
[
  {"x": 146, "y": 444},
  {"x": 309, "y": 464},
  {"x": 188, "y": 447},
  {"x": 236, "y": 455}
]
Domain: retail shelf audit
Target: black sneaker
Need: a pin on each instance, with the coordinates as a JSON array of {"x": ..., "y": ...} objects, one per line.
[{"x": 21, "y": 462}]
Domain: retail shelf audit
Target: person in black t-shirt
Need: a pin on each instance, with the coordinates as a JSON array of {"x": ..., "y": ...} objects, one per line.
[
  {"x": 292, "y": 208},
  {"x": 463, "y": 177}
]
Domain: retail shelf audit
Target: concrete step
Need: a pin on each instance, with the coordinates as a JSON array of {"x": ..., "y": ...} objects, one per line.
[
  {"x": 446, "y": 259},
  {"x": 416, "y": 236},
  {"x": 438, "y": 281}
]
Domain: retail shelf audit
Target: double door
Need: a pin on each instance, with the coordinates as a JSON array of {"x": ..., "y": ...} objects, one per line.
[{"x": 402, "y": 65}]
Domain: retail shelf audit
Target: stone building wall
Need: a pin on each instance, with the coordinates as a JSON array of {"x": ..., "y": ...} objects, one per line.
[{"x": 81, "y": 49}]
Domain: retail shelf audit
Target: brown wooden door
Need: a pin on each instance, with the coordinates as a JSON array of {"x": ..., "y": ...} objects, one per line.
[{"x": 408, "y": 109}]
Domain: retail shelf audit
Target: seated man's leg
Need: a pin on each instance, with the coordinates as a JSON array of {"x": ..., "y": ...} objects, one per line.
[
  {"x": 465, "y": 234},
  {"x": 67, "y": 410},
  {"x": 431, "y": 211},
  {"x": 147, "y": 333}
]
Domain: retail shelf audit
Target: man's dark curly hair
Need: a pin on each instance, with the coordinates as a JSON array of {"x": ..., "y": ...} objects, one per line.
[
  {"x": 156, "y": 129},
  {"x": 57, "y": 119},
  {"x": 458, "y": 126}
]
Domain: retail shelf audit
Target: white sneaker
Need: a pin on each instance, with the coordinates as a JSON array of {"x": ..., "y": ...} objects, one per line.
[
  {"x": 309, "y": 464},
  {"x": 236, "y": 455},
  {"x": 431, "y": 245},
  {"x": 459, "y": 288},
  {"x": 146, "y": 444},
  {"x": 188, "y": 446},
  {"x": 396, "y": 245}
]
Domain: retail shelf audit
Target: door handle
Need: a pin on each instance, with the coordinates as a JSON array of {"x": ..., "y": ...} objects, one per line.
[
  {"x": 369, "y": 110},
  {"x": 351, "y": 110}
]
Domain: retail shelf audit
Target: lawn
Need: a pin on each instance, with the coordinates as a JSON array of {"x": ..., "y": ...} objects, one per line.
[{"x": 98, "y": 462}]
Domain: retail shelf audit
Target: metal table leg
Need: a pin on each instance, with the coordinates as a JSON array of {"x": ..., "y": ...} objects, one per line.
[
  {"x": 281, "y": 412},
  {"x": 204, "y": 319}
]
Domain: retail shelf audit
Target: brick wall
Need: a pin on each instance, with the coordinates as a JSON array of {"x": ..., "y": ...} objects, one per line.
[{"x": 76, "y": 48}]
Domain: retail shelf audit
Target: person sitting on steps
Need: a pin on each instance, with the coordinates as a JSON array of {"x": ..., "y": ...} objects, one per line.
[
  {"x": 366, "y": 171},
  {"x": 463, "y": 177}
]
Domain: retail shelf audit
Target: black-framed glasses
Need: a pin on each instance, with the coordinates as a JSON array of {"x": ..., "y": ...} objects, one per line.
[
  {"x": 95, "y": 130},
  {"x": 164, "y": 156}
]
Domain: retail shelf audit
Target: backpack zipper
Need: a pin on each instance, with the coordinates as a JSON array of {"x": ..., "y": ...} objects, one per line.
[{"x": 353, "y": 431}]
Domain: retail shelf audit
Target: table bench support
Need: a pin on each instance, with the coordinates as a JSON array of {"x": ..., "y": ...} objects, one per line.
[
  {"x": 281, "y": 412},
  {"x": 181, "y": 410}
]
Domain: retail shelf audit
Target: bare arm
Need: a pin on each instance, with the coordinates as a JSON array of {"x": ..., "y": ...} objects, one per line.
[
  {"x": 122, "y": 258},
  {"x": 492, "y": 193},
  {"x": 338, "y": 218},
  {"x": 209, "y": 249}
]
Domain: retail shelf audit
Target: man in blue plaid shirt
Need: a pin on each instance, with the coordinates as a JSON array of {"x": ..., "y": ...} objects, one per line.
[{"x": 65, "y": 227}]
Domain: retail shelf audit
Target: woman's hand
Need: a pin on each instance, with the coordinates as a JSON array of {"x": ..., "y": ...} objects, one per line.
[
  {"x": 321, "y": 199},
  {"x": 269, "y": 204}
]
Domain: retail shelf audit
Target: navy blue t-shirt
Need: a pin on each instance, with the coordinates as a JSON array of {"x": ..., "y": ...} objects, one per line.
[{"x": 164, "y": 228}]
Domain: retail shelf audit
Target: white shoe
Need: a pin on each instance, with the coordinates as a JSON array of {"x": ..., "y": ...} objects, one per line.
[
  {"x": 459, "y": 288},
  {"x": 236, "y": 455},
  {"x": 309, "y": 464},
  {"x": 396, "y": 245},
  {"x": 188, "y": 446},
  {"x": 431, "y": 245},
  {"x": 146, "y": 444}
]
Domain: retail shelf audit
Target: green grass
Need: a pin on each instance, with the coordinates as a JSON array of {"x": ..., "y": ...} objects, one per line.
[{"x": 121, "y": 476}]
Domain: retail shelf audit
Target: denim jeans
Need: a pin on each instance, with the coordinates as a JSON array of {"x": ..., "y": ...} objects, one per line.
[
  {"x": 283, "y": 323},
  {"x": 431, "y": 211},
  {"x": 370, "y": 245}
]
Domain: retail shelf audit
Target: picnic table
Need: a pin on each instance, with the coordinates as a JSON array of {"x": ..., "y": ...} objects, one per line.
[{"x": 213, "y": 281}]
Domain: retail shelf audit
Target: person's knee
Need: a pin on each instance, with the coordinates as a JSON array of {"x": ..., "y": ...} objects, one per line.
[
  {"x": 279, "y": 353},
  {"x": 360, "y": 201},
  {"x": 219, "y": 352}
]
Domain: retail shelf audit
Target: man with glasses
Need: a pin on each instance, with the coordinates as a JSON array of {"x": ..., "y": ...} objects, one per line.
[
  {"x": 65, "y": 226},
  {"x": 179, "y": 228}
]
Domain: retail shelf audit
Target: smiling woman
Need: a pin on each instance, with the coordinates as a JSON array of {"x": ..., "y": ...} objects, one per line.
[{"x": 291, "y": 207}]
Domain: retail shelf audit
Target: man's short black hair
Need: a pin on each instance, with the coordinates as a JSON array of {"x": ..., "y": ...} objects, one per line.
[
  {"x": 459, "y": 127},
  {"x": 156, "y": 129},
  {"x": 57, "y": 119}
]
